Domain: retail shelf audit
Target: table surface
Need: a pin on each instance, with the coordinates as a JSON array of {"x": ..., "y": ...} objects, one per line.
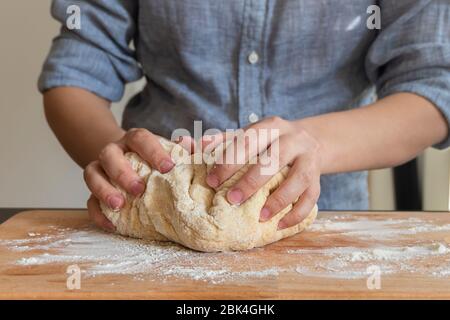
[
  {"x": 344, "y": 255},
  {"x": 6, "y": 213}
]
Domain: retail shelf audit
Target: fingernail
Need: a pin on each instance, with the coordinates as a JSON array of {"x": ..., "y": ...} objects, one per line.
[
  {"x": 212, "y": 181},
  {"x": 235, "y": 196},
  {"x": 265, "y": 214},
  {"x": 115, "y": 202},
  {"x": 282, "y": 225},
  {"x": 166, "y": 166},
  {"x": 137, "y": 188}
]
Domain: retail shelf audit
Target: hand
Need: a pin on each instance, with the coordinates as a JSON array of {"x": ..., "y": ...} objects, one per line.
[
  {"x": 297, "y": 149},
  {"x": 113, "y": 167}
]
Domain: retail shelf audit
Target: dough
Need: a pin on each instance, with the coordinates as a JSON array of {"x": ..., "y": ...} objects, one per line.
[{"x": 179, "y": 206}]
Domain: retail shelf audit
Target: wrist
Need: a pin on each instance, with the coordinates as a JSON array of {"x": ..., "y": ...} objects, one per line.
[{"x": 320, "y": 145}]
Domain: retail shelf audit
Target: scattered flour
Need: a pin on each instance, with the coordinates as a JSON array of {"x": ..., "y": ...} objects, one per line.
[
  {"x": 352, "y": 262},
  {"x": 33, "y": 234},
  {"x": 101, "y": 253},
  {"x": 112, "y": 254},
  {"x": 376, "y": 229}
]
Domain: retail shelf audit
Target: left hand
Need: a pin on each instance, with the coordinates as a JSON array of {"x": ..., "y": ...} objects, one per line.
[{"x": 297, "y": 149}]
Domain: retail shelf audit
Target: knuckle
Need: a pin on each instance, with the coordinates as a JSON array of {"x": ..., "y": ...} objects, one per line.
[
  {"x": 311, "y": 197},
  {"x": 138, "y": 136},
  {"x": 102, "y": 192},
  {"x": 250, "y": 181},
  {"x": 106, "y": 152},
  {"x": 306, "y": 177},
  {"x": 297, "y": 214},
  {"x": 89, "y": 171},
  {"x": 290, "y": 144},
  {"x": 223, "y": 170},
  {"x": 121, "y": 176},
  {"x": 283, "y": 157},
  {"x": 275, "y": 120},
  {"x": 301, "y": 132},
  {"x": 298, "y": 217},
  {"x": 279, "y": 201},
  {"x": 228, "y": 168}
]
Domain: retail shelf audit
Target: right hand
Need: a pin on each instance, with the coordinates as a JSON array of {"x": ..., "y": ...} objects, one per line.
[{"x": 112, "y": 167}]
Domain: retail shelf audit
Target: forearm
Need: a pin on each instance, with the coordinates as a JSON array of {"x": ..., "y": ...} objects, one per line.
[
  {"x": 82, "y": 122},
  {"x": 385, "y": 134}
]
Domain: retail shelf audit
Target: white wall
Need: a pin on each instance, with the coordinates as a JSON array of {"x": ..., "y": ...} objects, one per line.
[{"x": 34, "y": 170}]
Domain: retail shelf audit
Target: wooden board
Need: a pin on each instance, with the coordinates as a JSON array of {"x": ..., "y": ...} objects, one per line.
[{"x": 310, "y": 250}]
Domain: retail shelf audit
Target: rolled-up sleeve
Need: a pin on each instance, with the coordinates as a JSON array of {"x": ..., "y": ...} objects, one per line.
[
  {"x": 412, "y": 52},
  {"x": 97, "y": 57}
]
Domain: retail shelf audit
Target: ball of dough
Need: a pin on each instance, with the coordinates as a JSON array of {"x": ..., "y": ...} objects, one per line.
[{"x": 179, "y": 206}]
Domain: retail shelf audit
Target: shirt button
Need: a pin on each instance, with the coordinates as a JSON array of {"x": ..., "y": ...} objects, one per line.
[
  {"x": 253, "y": 57},
  {"x": 253, "y": 117}
]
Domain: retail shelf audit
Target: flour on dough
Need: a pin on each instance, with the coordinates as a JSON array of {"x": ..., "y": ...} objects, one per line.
[{"x": 179, "y": 206}]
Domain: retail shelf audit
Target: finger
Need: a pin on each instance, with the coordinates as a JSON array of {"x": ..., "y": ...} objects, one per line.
[
  {"x": 255, "y": 178},
  {"x": 224, "y": 166},
  {"x": 119, "y": 170},
  {"x": 101, "y": 188},
  {"x": 96, "y": 215},
  {"x": 147, "y": 145},
  {"x": 188, "y": 143},
  {"x": 244, "y": 148},
  {"x": 211, "y": 141},
  {"x": 300, "y": 177},
  {"x": 247, "y": 185},
  {"x": 302, "y": 208}
]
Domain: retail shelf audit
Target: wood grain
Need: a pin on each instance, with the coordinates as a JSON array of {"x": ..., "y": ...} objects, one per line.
[{"x": 49, "y": 281}]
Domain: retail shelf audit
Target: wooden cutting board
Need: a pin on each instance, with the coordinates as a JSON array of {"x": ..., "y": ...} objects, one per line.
[{"x": 344, "y": 255}]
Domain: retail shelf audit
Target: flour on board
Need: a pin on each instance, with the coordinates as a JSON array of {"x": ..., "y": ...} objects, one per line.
[{"x": 101, "y": 253}]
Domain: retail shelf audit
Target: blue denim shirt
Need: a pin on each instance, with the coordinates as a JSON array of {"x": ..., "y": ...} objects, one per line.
[{"x": 228, "y": 62}]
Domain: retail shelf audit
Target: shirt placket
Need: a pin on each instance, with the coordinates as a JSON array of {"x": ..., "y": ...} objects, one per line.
[{"x": 250, "y": 62}]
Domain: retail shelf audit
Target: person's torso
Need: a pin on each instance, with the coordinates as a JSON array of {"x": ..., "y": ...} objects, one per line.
[{"x": 228, "y": 63}]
